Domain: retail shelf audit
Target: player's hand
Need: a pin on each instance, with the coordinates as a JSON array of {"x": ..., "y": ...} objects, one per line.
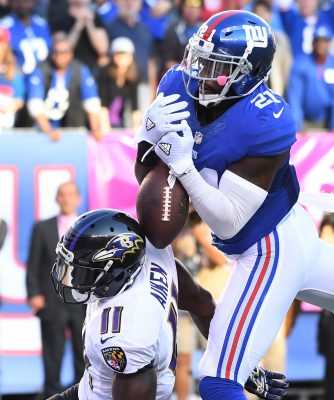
[
  {"x": 55, "y": 134},
  {"x": 98, "y": 135},
  {"x": 176, "y": 150},
  {"x": 37, "y": 303},
  {"x": 267, "y": 384},
  {"x": 160, "y": 117}
]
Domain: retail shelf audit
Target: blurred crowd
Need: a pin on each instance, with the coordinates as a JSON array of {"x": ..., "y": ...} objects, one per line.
[{"x": 96, "y": 64}]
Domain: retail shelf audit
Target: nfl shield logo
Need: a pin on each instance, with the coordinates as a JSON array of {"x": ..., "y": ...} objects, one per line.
[{"x": 198, "y": 137}]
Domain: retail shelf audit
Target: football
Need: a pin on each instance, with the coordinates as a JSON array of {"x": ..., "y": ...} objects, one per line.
[{"x": 161, "y": 210}]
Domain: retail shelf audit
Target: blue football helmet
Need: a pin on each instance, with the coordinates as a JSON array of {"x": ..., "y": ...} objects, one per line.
[
  {"x": 99, "y": 256},
  {"x": 229, "y": 56}
]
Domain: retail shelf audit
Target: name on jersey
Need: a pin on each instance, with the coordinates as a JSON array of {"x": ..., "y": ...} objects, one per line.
[{"x": 159, "y": 284}]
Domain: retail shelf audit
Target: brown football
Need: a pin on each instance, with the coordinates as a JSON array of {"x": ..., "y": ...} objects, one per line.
[{"x": 162, "y": 211}]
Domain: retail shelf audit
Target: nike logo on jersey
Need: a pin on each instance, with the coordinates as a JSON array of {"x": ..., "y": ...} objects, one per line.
[
  {"x": 277, "y": 115},
  {"x": 105, "y": 339},
  {"x": 149, "y": 124},
  {"x": 165, "y": 147}
]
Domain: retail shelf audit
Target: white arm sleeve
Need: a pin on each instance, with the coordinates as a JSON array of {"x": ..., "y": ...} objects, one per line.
[
  {"x": 225, "y": 210},
  {"x": 36, "y": 107},
  {"x": 92, "y": 105}
]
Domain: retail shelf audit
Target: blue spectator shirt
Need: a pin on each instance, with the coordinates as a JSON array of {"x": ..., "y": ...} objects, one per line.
[
  {"x": 107, "y": 12},
  {"x": 141, "y": 38},
  {"x": 156, "y": 25},
  {"x": 311, "y": 90},
  {"x": 258, "y": 125},
  {"x": 300, "y": 30},
  {"x": 56, "y": 100},
  {"x": 30, "y": 44}
]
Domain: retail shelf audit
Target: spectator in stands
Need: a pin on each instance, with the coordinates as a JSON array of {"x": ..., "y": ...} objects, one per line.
[
  {"x": 4, "y": 8},
  {"x": 118, "y": 86},
  {"x": 326, "y": 322},
  {"x": 211, "y": 7},
  {"x": 85, "y": 29},
  {"x": 300, "y": 22},
  {"x": 55, "y": 316},
  {"x": 179, "y": 32},
  {"x": 128, "y": 24},
  {"x": 30, "y": 35},
  {"x": 41, "y": 8},
  {"x": 62, "y": 93},
  {"x": 30, "y": 42},
  {"x": 107, "y": 10},
  {"x": 311, "y": 86},
  {"x": 279, "y": 76},
  {"x": 11, "y": 83},
  {"x": 155, "y": 14}
]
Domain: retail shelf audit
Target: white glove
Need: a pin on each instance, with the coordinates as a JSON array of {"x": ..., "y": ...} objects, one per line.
[
  {"x": 176, "y": 150},
  {"x": 159, "y": 117}
]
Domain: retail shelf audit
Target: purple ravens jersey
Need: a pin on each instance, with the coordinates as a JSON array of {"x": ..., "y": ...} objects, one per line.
[{"x": 258, "y": 125}]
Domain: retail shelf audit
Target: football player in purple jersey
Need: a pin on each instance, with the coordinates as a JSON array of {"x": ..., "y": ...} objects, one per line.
[
  {"x": 131, "y": 289},
  {"x": 227, "y": 137}
]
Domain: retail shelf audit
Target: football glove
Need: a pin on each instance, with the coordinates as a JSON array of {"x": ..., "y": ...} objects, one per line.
[
  {"x": 266, "y": 384},
  {"x": 160, "y": 117},
  {"x": 176, "y": 150}
]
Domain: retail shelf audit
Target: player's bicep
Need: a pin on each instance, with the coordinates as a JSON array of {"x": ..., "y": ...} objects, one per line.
[
  {"x": 260, "y": 171},
  {"x": 139, "y": 386}
]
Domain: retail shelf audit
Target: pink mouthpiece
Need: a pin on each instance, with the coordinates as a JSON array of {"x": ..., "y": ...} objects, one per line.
[{"x": 222, "y": 80}]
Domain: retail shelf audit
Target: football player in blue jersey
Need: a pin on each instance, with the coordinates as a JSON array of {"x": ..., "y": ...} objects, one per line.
[{"x": 227, "y": 137}]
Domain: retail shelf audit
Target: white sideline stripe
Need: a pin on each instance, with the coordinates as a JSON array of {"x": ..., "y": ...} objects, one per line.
[
  {"x": 20, "y": 334},
  {"x": 324, "y": 201}
]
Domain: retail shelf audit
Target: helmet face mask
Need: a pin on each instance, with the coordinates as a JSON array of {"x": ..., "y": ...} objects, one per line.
[
  {"x": 233, "y": 50},
  {"x": 101, "y": 262}
]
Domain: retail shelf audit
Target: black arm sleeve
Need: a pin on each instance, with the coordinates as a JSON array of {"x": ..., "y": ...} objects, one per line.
[
  {"x": 69, "y": 394},
  {"x": 142, "y": 168}
]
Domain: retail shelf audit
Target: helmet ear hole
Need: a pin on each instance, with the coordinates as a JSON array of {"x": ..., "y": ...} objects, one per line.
[{"x": 119, "y": 277}]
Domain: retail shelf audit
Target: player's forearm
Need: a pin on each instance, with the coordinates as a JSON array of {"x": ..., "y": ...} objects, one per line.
[
  {"x": 43, "y": 123},
  {"x": 145, "y": 162},
  {"x": 98, "y": 39},
  {"x": 94, "y": 121},
  {"x": 203, "y": 324},
  {"x": 203, "y": 313},
  {"x": 226, "y": 209},
  {"x": 69, "y": 394},
  {"x": 194, "y": 299},
  {"x": 75, "y": 32}
]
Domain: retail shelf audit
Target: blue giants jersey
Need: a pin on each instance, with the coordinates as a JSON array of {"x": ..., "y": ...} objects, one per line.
[
  {"x": 30, "y": 43},
  {"x": 258, "y": 125}
]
